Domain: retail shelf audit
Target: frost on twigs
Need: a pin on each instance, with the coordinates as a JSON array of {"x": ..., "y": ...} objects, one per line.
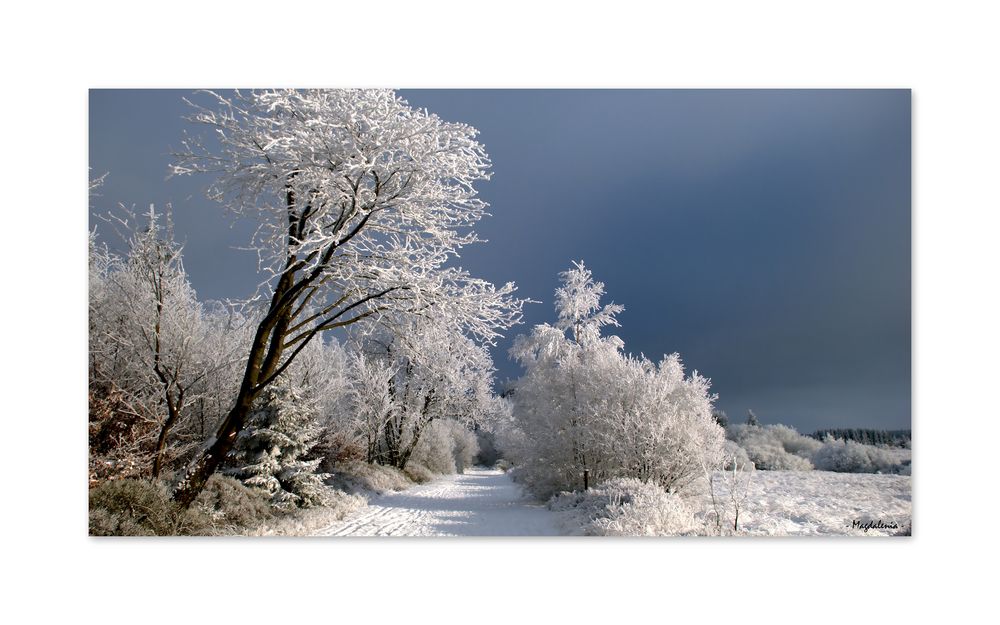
[
  {"x": 360, "y": 202},
  {"x": 625, "y": 507},
  {"x": 585, "y": 405},
  {"x": 407, "y": 374},
  {"x": 372, "y": 195},
  {"x": 271, "y": 451}
]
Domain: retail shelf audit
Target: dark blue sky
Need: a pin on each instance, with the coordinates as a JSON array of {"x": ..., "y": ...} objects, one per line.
[{"x": 763, "y": 234}]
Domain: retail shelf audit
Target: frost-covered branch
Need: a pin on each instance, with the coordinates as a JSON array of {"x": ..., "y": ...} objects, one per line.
[{"x": 361, "y": 203}]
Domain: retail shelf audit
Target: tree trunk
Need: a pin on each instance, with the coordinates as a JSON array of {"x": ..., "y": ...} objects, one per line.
[
  {"x": 161, "y": 442},
  {"x": 210, "y": 459},
  {"x": 404, "y": 455},
  {"x": 265, "y": 354}
]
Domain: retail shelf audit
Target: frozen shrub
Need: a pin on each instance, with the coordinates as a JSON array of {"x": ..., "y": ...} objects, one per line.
[
  {"x": 446, "y": 446},
  {"x": 729, "y": 491},
  {"x": 793, "y": 442},
  {"x": 774, "y": 447},
  {"x": 775, "y": 458},
  {"x": 852, "y": 457},
  {"x": 356, "y": 477},
  {"x": 905, "y": 468},
  {"x": 337, "y": 447},
  {"x": 625, "y": 507},
  {"x": 735, "y": 457},
  {"x": 418, "y": 472},
  {"x": 436, "y": 450},
  {"x": 466, "y": 448},
  {"x": 308, "y": 521},
  {"x": 140, "y": 508},
  {"x": 231, "y": 506}
]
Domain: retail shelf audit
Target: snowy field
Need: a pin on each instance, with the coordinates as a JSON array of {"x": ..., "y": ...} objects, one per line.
[
  {"x": 485, "y": 502},
  {"x": 480, "y": 502},
  {"x": 800, "y": 503}
]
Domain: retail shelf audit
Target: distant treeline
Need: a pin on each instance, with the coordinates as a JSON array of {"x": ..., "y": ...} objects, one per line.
[{"x": 895, "y": 438}]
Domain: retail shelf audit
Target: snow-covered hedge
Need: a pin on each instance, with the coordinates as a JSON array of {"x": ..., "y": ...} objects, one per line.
[
  {"x": 357, "y": 476},
  {"x": 625, "y": 507},
  {"x": 132, "y": 507},
  {"x": 782, "y": 448},
  {"x": 735, "y": 457},
  {"x": 851, "y": 457},
  {"x": 232, "y": 506},
  {"x": 226, "y": 507},
  {"x": 774, "y": 447}
]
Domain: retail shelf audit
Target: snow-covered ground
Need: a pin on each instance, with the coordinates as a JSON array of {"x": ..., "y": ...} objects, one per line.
[
  {"x": 823, "y": 503},
  {"x": 485, "y": 502},
  {"x": 480, "y": 502}
]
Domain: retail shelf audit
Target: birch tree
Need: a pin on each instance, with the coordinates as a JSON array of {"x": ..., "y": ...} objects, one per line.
[{"x": 360, "y": 202}]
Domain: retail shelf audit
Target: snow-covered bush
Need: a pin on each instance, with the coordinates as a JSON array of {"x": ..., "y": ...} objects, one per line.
[
  {"x": 307, "y": 521},
  {"x": 625, "y": 507},
  {"x": 446, "y": 447},
  {"x": 270, "y": 451},
  {"x": 436, "y": 449},
  {"x": 231, "y": 506},
  {"x": 419, "y": 473},
  {"x": 466, "y": 447},
  {"x": 782, "y": 448},
  {"x": 774, "y": 447},
  {"x": 131, "y": 507},
  {"x": 851, "y": 457},
  {"x": 793, "y": 442},
  {"x": 735, "y": 457},
  {"x": 728, "y": 491},
  {"x": 356, "y": 476},
  {"x": 163, "y": 365},
  {"x": 583, "y": 404}
]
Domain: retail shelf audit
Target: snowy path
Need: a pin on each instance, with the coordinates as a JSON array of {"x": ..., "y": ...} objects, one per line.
[{"x": 481, "y": 502}]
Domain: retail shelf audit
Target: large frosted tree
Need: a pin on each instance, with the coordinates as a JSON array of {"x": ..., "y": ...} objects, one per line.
[
  {"x": 361, "y": 200},
  {"x": 585, "y": 405}
]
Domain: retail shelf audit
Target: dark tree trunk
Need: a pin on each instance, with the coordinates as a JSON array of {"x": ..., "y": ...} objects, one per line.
[
  {"x": 276, "y": 332},
  {"x": 404, "y": 454},
  {"x": 265, "y": 355},
  {"x": 210, "y": 459},
  {"x": 161, "y": 441}
]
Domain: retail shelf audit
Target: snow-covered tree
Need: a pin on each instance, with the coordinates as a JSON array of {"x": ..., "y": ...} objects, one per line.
[
  {"x": 578, "y": 305},
  {"x": 446, "y": 446},
  {"x": 270, "y": 451},
  {"x": 360, "y": 201},
  {"x": 148, "y": 334},
  {"x": 415, "y": 371},
  {"x": 583, "y": 404},
  {"x": 372, "y": 400}
]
